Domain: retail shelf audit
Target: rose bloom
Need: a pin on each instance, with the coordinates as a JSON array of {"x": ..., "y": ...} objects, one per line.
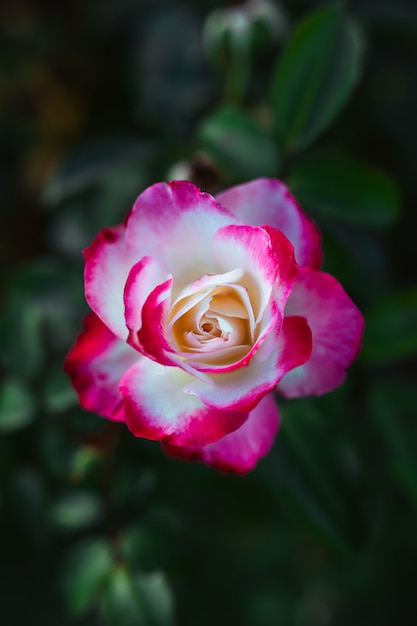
[{"x": 202, "y": 307}]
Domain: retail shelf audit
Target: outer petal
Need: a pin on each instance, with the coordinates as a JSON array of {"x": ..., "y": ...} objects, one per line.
[
  {"x": 107, "y": 265},
  {"x": 157, "y": 407},
  {"x": 239, "y": 451},
  {"x": 96, "y": 364},
  {"x": 175, "y": 222},
  {"x": 242, "y": 389},
  {"x": 337, "y": 327},
  {"x": 268, "y": 201}
]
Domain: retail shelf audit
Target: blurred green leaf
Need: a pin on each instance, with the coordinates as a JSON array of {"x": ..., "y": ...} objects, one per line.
[
  {"x": 120, "y": 604},
  {"x": 44, "y": 303},
  {"x": 349, "y": 255},
  {"x": 170, "y": 83},
  {"x": 85, "y": 463},
  {"x": 95, "y": 186},
  {"x": 239, "y": 145},
  {"x": 96, "y": 163},
  {"x": 22, "y": 352},
  {"x": 55, "y": 449},
  {"x": 58, "y": 393},
  {"x": 316, "y": 482},
  {"x": 393, "y": 407},
  {"x": 84, "y": 570},
  {"x": 133, "y": 486},
  {"x": 16, "y": 406},
  {"x": 346, "y": 191},
  {"x": 157, "y": 597},
  {"x": 391, "y": 328},
  {"x": 141, "y": 545},
  {"x": 132, "y": 600},
  {"x": 27, "y": 503},
  {"x": 315, "y": 76},
  {"x": 311, "y": 514},
  {"x": 76, "y": 510}
]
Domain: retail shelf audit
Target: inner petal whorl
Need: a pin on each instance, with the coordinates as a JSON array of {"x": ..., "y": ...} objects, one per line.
[{"x": 215, "y": 320}]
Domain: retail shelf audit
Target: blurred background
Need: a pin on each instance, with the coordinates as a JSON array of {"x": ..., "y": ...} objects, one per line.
[{"x": 100, "y": 99}]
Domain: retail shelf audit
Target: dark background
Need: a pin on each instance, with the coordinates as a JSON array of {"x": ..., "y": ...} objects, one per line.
[{"x": 98, "y": 100}]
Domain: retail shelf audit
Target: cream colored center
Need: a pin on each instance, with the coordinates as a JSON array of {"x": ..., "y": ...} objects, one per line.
[{"x": 213, "y": 325}]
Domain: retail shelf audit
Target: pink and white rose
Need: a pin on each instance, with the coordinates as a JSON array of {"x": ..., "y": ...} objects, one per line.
[{"x": 201, "y": 308}]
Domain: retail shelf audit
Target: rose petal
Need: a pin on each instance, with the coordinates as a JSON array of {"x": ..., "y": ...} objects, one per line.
[
  {"x": 151, "y": 339},
  {"x": 143, "y": 278},
  {"x": 285, "y": 262},
  {"x": 266, "y": 258},
  {"x": 269, "y": 201},
  {"x": 241, "y": 390},
  {"x": 162, "y": 216},
  {"x": 239, "y": 451},
  {"x": 96, "y": 364},
  {"x": 337, "y": 327},
  {"x": 151, "y": 335},
  {"x": 107, "y": 265},
  {"x": 157, "y": 407},
  {"x": 175, "y": 222},
  {"x": 198, "y": 290},
  {"x": 271, "y": 322}
]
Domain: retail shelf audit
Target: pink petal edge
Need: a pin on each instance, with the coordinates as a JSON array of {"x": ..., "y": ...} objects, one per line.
[
  {"x": 175, "y": 222},
  {"x": 239, "y": 451},
  {"x": 158, "y": 408},
  {"x": 95, "y": 365},
  {"x": 242, "y": 389},
  {"x": 107, "y": 265},
  {"x": 337, "y": 328},
  {"x": 269, "y": 201}
]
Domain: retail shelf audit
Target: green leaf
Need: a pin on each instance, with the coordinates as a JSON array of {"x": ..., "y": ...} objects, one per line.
[
  {"x": 94, "y": 186},
  {"x": 16, "y": 406},
  {"x": 43, "y": 307},
  {"x": 141, "y": 545},
  {"x": 157, "y": 597},
  {"x": 311, "y": 493},
  {"x": 120, "y": 604},
  {"x": 391, "y": 328},
  {"x": 92, "y": 164},
  {"x": 129, "y": 600},
  {"x": 84, "y": 570},
  {"x": 27, "y": 503},
  {"x": 85, "y": 463},
  {"x": 22, "y": 352},
  {"x": 315, "y": 482},
  {"x": 239, "y": 145},
  {"x": 55, "y": 449},
  {"x": 315, "y": 76},
  {"x": 349, "y": 255},
  {"x": 76, "y": 510},
  {"x": 58, "y": 392},
  {"x": 393, "y": 409},
  {"x": 346, "y": 191}
]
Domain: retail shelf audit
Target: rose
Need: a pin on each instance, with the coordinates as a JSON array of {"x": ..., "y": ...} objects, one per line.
[{"x": 202, "y": 307}]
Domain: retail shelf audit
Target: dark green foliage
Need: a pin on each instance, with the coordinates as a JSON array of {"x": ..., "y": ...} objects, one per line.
[
  {"x": 240, "y": 146},
  {"x": 101, "y": 99},
  {"x": 344, "y": 190},
  {"x": 315, "y": 76}
]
